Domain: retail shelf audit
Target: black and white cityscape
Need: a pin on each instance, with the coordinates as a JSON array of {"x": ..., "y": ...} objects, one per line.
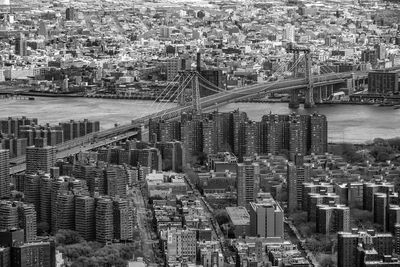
[{"x": 209, "y": 133}]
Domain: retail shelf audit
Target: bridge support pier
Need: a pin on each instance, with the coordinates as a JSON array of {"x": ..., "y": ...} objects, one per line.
[
  {"x": 309, "y": 98},
  {"x": 294, "y": 99},
  {"x": 324, "y": 94},
  {"x": 318, "y": 95},
  {"x": 331, "y": 90}
]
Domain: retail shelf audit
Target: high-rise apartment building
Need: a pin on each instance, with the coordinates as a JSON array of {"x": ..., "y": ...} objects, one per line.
[
  {"x": 383, "y": 82},
  {"x": 352, "y": 246},
  {"x": 8, "y": 215},
  {"x": 332, "y": 219},
  {"x": 85, "y": 209},
  {"x": 20, "y": 45},
  {"x": 169, "y": 131},
  {"x": 347, "y": 249},
  {"x": 192, "y": 139},
  {"x": 70, "y": 13},
  {"x": 45, "y": 199},
  {"x": 248, "y": 182},
  {"x": 33, "y": 254},
  {"x": 28, "y": 221},
  {"x": 4, "y": 174},
  {"x": 104, "y": 220},
  {"x": 32, "y": 190},
  {"x": 319, "y": 134},
  {"x": 123, "y": 220},
  {"x": 116, "y": 181},
  {"x": 40, "y": 157},
  {"x": 381, "y": 209},
  {"x": 150, "y": 157},
  {"x": 65, "y": 211},
  {"x": 171, "y": 154},
  {"x": 297, "y": 174}
]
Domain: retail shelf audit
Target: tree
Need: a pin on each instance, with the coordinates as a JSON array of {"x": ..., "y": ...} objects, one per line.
[
  {"x": 299, "y": 217},
  {"x": 361, "y": 218},
  {"x": 68, "y": 237},
  {"x": 307, "y": 229},
  {"x": 43, "y": 228},
  {"x": 221, "y": 216},
  {"x": 327, "y": 260}
]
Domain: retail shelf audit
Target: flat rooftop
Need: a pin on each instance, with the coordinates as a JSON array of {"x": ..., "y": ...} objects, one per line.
[{"x": 238, "y": 215}]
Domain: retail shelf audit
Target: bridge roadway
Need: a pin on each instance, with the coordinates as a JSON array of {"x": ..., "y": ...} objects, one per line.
[
  {"x": 207, "y": 103},
  {"x": 73, "y": 147}
]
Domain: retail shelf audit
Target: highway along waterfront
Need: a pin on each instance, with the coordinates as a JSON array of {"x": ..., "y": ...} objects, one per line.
[{"x": 347, "y": 123}]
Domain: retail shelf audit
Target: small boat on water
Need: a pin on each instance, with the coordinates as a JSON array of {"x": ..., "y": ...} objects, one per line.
[{"x": 31, "y": 98}]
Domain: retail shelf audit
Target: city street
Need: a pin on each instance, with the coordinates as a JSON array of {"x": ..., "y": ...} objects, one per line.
[{"x": 144, "y": 228}]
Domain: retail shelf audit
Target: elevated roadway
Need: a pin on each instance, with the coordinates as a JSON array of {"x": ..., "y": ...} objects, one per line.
[{"x": 73, "y": 147}]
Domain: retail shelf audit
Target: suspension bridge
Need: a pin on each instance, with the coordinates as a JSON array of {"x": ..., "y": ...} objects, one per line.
[{"x": 186, "y": 88}]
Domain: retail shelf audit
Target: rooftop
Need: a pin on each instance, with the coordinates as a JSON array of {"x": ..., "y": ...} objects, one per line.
[{"x": 238, "y": 215}]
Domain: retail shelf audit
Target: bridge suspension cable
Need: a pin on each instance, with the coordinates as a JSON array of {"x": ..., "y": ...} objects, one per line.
[
  {"x": 167, "y": 89},
  {"x": 181, "y": 88}
]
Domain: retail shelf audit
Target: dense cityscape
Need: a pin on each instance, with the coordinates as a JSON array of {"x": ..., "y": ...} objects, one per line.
[{"x": 179, "y": 179}]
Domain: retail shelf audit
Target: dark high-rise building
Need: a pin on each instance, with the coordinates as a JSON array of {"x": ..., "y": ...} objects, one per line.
[
  {"x": 297, "y": 136},
  {"x": 104, "y": 220},
  {"x": 70, "y": 13},
  {"x": 150, "y": 157},
  {"x": 168, "y": 131},
  {"x": 171, "y": 154},
  {"x": 154, "y": 130},
  {"x": 67, "y": 130},
  {"x": 352, "y": 247},
  {"x": 123, "y": 220},
  {"x": 40, "y": 157},
  {"x": 369, "y": 56},
  {"x": 4, "y": 174},
  {"x": 332, "y": 219},
  {"x": 32, "y": 190},
  {"x": 383, "y": 82},
  {"x": 252, "y": 138},
  {"x": 28, "y": 221},
  {"x": 33, "y": 254},
  {"x": 292, "y": 186},
  {"x": 319, "y": 134},
  {"x": 45, "y": 200},
  {"x": 116, "y": 180},
  {"x": 85, "y": 209},
  {"x": 192, "y": 139},
  {"x": 94, "y": 177},
  {"x": 65, "y": 211},
  {"x": 20, "y": 45},
  {"x": 238, "y": 119},
  {"x": 380, "y": 209},
  {"x": 17, "y": 147},
  {"x": 347, "y": 249},
  {"x": 210, "y": 137},
  {"x": 248, "y": 182}
]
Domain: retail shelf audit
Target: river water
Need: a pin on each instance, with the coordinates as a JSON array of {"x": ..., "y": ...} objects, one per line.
[{"x": 346, "y": 123}]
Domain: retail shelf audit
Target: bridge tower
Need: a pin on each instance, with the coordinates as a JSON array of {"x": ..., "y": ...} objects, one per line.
[
  {"x": 303, "y": 66},
  {"x": 190, "y": 94},
  {"x": 309, "y": 94}
]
